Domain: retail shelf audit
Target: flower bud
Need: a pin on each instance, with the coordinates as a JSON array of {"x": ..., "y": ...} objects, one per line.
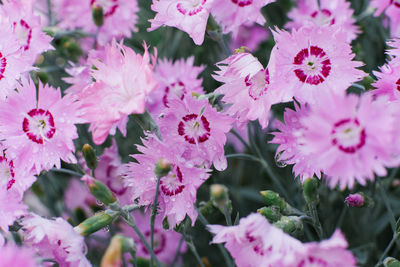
[
  {"x": 219, "y": 196},
  {"x": 270, "y": 213},
  {"x": 90, "y": 156},
  {"x": 291, "y": 225},
  {"x": 96, "y": 222},
  {"x": 113, "y": 255},
  {"x": 355, "y": 200},
  {"x": 391, "y": 262},
  {"x": 310, "y": 193},
  {"x": 272, "y": 199},
  {"x": 99, "y": 190},
  {"x": 98, "y": 15},
  {"x": 163, "y": 166}
]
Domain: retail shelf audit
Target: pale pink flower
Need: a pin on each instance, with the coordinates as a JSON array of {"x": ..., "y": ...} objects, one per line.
[
  {"x": 123, "y": 82},
  {"x": 247, "y": 88},
  {"x": 56, "y": 239},
  {"x": 198, "y": 128},
  {"x": 165, "y": 241},
  {"x": 26, "y": 28},
  {"x": 391, "y": 8},
  {"x": 231, "y": 14},
  {"x": 250, "y": 36},
  {"x": 395, "y": 49},
  {"x": 120, "y": 17},
  {"x": 38, "y": 130},
  {"x": 11, "y": 255},
  {"x": 11, "y": 207},
  {"x": 189, "y": 16},
  {"x": 388, "y": 82},
  {"x": 177, "y": 192},
  {"x": 311, "y": 60},
  {"x": 329, "y": 12},
  {"x": 254, "y": 242},
  {"x": 176, "y": 80}
]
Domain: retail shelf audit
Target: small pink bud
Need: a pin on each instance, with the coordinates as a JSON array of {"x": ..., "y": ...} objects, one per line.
[{"x": 355, "y": 200}]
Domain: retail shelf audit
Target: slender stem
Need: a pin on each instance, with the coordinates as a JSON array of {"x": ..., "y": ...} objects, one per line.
[
  {"x": 341, "y": 217},
  {"x": 389, "y": 246},
  {"x": 241, "y": 139},
  {"x": 386, "y": 201},
  {"x": 243, "y": 156},
  {"x": 129, "y": 221},
  {"x": 316, "y": 223},
  {"x": 192, "y": 247},
  {"x": 66, "y": 171},
  {"x": 178, "y": 252},
  {"x": 153, "y": 216},
  {"x": 227, "y": 216}
]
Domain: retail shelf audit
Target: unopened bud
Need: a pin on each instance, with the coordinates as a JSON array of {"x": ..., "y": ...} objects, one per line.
[
  {"x": 96, "y": 222},
  {"x": 219, "y": 196},
  {"x": 391, "y": 262},
  {"x": 163, "y": 167},
  {"x": 113, "y": 255},
  {"x": 90, "y": 156},
  {"x": 98, "y": 15},
  {"x": 310, "y": 193},
  {"x": 291, "y": 225},
  {"x": 270, "y": 213},
  {"x": 355, "y": 200},
  {"x": 272, "y": 199},
  {"x": 99, "y": 190}
]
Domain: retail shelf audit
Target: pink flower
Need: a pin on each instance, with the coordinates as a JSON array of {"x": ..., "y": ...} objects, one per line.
[
  {"x": 123, "y": 82},
  {"x": 119, "y": 17},
  {"x": 12, "y": 255},
  {"x": 247, "y": 87},
  {"x": 310, "y": 60},
  {"x": 165, "y": 241},
  {"x": 231, "y": 14},
  {"x": 189, "y": 16},
  {"x": 56, "y": 239},
  {"x": 395, "y": 49},
  {"x": 391, "y": 8},
  {"x": 11, "y": 208},
  {"x": 330, "y": 12},
  {"x": 388, "y": 82},
  {"x": 197, "y": 127},
  {"x": 328, "y": 253},
  {"x": 255, "y": 242},
  {"x": 26, "y": 28},
  {"x": 78, "y": 196},
  {"x": 109, "y": 171},
  {"x": 176, "y": 80},
  {"x": 38, "y": 130},
  {"x": 177, "y": 189},
  {"x": 249, "y": 36}
]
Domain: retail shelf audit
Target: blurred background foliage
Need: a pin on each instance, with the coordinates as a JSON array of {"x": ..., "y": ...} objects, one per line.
[{"x": 368, "y": 230}]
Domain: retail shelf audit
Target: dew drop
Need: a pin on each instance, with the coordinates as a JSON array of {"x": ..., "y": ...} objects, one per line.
[
  {"x": 280, "y": 161},
  {"x": 99, "y": 203},
  {"x": 106, "y": 229}
]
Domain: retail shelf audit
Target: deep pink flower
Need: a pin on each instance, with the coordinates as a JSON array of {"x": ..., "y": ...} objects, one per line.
[
  {"x": 38, "y": 130},
  {"x": 176, "y": 80},
  {"x": 165, "y": 241},
  {"x": 123, "y": 82},
  {"x": 355, "y": 200},
  {"x": 249, "y": 36},
  {"x": 313, "y": 59},
  {"x": 189, "y": 16},
  {"x": 56, "y": 239},
  {"x": 177, "y": 192},
  {"x": 231, "y": 14},
  {"x": 197, "y": 127},
  {"x": 120, "y": 17},
  {"x": 329, "y": 12},
  {"x": 247, "y": 87},
  {"x": 12, "y": 255},
  {"x": 26, "y": 28}
]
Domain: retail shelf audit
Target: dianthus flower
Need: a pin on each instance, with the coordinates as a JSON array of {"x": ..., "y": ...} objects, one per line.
[
  {"x": 12, "y": 255},
  {"x": 189, "y": 16},
  {"x": 120, "y": 17},
  {"x": 391, "y": 8},
  {"x": 313, "y": 59},
  {"x": 11, "y": 207},
  {"x": 56, "y": 239},
  {"x": 231, "y": 14},
  {"x": 177, "y": 189},
  {"x": 38, "y": 130},
  {"x": 388, "y": 82},
  {"x": 26, "y": 28},
  {"x": 198, "y": 128},
  {"x": 329, "y": 12},
  {"x": 165, "y": 241},
  {"x": 249, "y": 36},
  {"x": 123, "y": 82},
  {"x": 176, "y": 80},
  {"x": 247, "y": 87}
]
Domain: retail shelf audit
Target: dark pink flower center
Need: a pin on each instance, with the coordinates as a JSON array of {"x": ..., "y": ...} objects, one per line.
[
  {"x": 160, "y": 241},
  {"x": 348, "y": 135},
  {"x": 242, "y": 3},
  {"x": 174, "y": 89},
  {"x": 258, "y": 84},
  {"x": 3, "y": 65},
  {"x": 191, "y": 7},
  {"x": 396, "y": 3},
  {"x": 109, "y": 6},
  {"x": 323, "y": 17},
  {"x": 257, "y": 244},
  {"x": 38, "y": 125},
  {"x": 172, "y": 183},
  {"x": 312, "y": 262},
  {"x": 24, "y": 33},
  {"x": 194, "y": 129},
  {"x": 312, "y": 65},
  {"x": 398, "y": 85},
  {"x": 7, "y": 172}
]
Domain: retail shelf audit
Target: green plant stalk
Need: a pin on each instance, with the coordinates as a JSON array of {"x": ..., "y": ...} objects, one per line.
[{"x": 153, "y": 217}]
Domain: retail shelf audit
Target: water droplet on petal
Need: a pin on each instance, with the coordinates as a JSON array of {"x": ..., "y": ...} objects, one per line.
[
  {"x": 281, "y": 162},
  {"x": 99, "y": 203},
  {"x": 106, "y": 229}
]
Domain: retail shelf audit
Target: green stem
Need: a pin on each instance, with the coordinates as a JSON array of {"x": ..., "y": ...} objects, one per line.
[
  {"x": 389, "y": 246},
  {"x": 178, "y": 252},
  {"x": 192, "y": 247},
  {"x": 316, "y": 223},
  {"x": 227, "y": 216},
  {"x": 153, "y": 216},
  {"x": 241, "y": 139},
  {"x": 386, "y": 201},
  {"x": 66, "y": 171}
]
